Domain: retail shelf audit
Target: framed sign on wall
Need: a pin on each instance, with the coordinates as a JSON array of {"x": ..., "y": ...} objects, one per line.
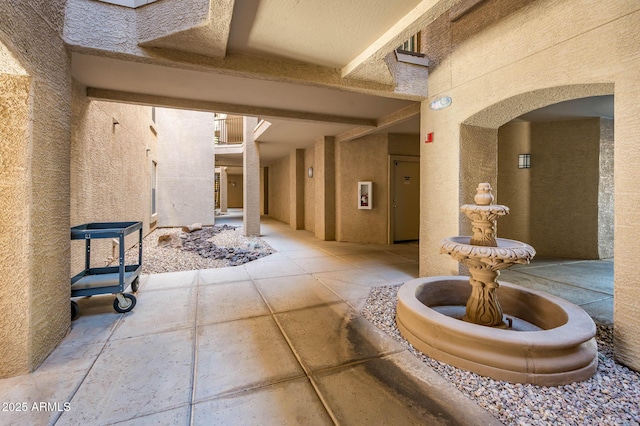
[{"x": 365, "y": 195}]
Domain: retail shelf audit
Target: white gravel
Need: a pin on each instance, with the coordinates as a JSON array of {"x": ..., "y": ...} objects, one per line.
[
  {"x": 610, "y": 397},
  {"x": 157, "y": 259}
]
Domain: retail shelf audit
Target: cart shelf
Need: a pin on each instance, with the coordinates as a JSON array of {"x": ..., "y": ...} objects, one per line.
[{"x": 110, "y": 279}]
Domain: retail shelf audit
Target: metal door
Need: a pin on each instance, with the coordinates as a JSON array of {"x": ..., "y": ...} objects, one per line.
[{"x": 406, "y": 200}]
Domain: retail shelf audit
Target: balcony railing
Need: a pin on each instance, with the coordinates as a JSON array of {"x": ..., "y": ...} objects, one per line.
[{"x": 228, "y": 131}]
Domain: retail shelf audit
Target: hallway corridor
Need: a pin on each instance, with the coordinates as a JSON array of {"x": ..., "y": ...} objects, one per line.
[{"x": 276, "y": 341}]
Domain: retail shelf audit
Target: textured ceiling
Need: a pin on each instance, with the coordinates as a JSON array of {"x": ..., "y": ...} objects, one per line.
[{"x": 329, "y": 33}]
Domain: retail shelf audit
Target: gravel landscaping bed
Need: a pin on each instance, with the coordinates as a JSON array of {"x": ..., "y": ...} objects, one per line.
[
  {"x": 610, "y": 397},
  {"x": 210, "y": 247}
]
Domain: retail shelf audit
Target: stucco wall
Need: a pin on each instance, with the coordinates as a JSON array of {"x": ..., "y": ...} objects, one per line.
[
  {"x": 110, "y": 170},
  {"x": 186, "y": 166},
  {"x": 279, "y": 190},
  {"x": 514, "y": 184},
  {"x": 499, "y": 66},
  {"x": 404, "y": 144},
  {"x": 363, "y": 159},
  {"x": 554, "y": 204},
  {"x": 234, "y": 193},
  {"x": 606, "y": 190},
  {"x": 35, "y": 196},
  {"x": 564, "y": 188}
]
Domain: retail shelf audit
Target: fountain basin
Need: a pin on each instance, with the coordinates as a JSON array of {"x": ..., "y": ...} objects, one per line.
[
  {"x": 506, "y": 253},
  {"x": 560, "y": 349}
]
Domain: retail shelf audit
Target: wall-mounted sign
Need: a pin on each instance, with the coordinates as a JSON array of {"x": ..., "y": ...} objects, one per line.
[
  {"x": 365, "y": 197},
  {"x": 440, "y": 103}
]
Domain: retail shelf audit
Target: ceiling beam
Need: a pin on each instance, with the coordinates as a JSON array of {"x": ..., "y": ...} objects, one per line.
[
  {"x": 382, "y": 123},
  {"x": 222, "y": 107}
]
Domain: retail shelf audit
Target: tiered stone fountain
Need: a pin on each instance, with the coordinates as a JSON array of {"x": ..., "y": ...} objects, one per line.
[{"x": 526, "y": 337}]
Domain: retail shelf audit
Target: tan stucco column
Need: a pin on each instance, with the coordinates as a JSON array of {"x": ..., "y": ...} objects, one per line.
[
  {"x": 251, "y": 170},
  {"x": 296, "y": 189},
  {"x": 325, "y": 188},
  {"x": 626, "y": 308},
  {"x": 35, "y": 112},
  {"x": 223, "y": 190}
]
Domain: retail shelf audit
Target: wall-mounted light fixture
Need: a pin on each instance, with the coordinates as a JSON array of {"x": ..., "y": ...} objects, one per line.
[
  {"x": 310, "y": 172},
  {"x": 524, "y": 161},
  {"x": 233, "y": 184},
  {"x": 440, "y": 103}
]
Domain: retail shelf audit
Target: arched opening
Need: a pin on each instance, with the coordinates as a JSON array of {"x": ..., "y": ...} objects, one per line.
[
  {"x": 555, "y": 171},
  {"x": 562, "y": 204}
]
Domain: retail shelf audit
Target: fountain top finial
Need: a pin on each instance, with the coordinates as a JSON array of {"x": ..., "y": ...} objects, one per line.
[
  {"x": 483, "y": 197},
  {"x": 483, "y": 216}
]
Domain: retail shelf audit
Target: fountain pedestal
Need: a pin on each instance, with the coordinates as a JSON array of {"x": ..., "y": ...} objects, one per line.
[{"x": 485, "y": 255}]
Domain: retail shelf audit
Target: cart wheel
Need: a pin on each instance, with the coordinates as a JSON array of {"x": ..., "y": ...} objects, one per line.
[
  {"x": 130, "y": 298},
  {"x": 75, "y": 310},
  {"x": 135, "y": 285}
]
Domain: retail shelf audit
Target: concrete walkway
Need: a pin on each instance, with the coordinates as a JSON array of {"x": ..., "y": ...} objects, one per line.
[{"x": 274, "y": 342}]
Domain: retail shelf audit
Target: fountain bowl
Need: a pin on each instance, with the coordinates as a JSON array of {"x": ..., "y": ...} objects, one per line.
[{"x": 551, "y": 342}]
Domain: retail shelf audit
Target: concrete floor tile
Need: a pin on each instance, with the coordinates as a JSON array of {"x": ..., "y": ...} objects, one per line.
[
  {"x": 300, "y": 291},
  {"x": 277, "y": 268},
  {"x": 169, "y": 280},
  {"x": 283, "y": 244},
  {"x": 71, "y": 358},
  {"x": 395, "y": 390},
  {"x": 176, "y": 417},
  {"x": 411, "y": 253},
  {"x": 573, "y": 294},
  {"x": 601, "y": 311},
  {"x": 230, "y": 301},
  {"x": 22, "y": 392},
  {"x": 271, "y": 257},
  {"x": 222, "y": 275},
  {"x": 158, "y": 311},
  {"x": 351, "y": 284},
  {"x": 345, "y": 249},
  {"x": 540, "y": 262},
  {"x": 305, "y": 253},
  {"x": 54, "y": 383},
  {"x": 135, "y": 377},
  {"x": 290, "y": 403},
  {"x": 591, "y": 275},
  {"x": 399, "y": 273},
  {"x": 357, "y": 304},
  {"x": 323, "y": 264},
  {"x": 95, "y": 323},
  {"x": 328, "y": 336},
  {"x": 239, "y": 355},
  {"x": 376, "y": 258}
]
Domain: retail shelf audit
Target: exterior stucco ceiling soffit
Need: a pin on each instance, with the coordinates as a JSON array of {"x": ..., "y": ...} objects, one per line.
[
  {"x": 194, "y": 26},
  {"x": 370, "y": 65},
  {"x": 382, "y": 123},
  {"x": 221, "y": 107}
]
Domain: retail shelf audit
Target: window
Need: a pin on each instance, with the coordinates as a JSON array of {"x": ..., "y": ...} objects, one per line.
[
  {"x": 412, "y": 45},
  {"x": 154, "y": 181}
]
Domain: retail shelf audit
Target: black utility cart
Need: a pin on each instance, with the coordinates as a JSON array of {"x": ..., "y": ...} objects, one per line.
[{"x": 108, "y": 279}]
